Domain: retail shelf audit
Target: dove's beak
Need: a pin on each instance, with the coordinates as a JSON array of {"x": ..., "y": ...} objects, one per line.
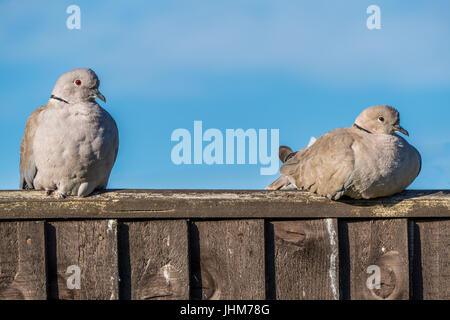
[
  {"x": 398, "y": 128},
  {"x": 97, "y": 94}
]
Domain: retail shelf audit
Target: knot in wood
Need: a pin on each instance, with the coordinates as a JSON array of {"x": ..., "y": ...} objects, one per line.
[{"x": 393, "y": 282}]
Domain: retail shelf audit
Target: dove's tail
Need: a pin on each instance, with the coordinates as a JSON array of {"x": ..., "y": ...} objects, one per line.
[{"x": 279, "y": 183}]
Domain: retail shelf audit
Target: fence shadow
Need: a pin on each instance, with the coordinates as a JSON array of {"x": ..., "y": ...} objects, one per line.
[
  {"x": 195, "y": 271},
  {"x": 52, "y": 263},
  {"x": 269, "y": 239},
  {"x": 344, "y": 260},
  {"x": 392, "y": 200},
  {"x": 415, "y": 259},
  {"x": 123, "y": 253}
]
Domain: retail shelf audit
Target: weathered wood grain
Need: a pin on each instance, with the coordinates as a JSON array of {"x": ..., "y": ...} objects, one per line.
[
  {"x": 158, "y": 259},
  {"x": 382, "y": 244},
  {"x": 219, "y": 204},
  {"x": 306, "y": 259},
  {"x": 22, "y": 260},
  {"x": 227, "y": 259},
  {"x": 90, "y": 247},
  {"x": 431, "y": 259}
]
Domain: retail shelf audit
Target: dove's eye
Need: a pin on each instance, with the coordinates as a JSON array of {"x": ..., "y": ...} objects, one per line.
[
  {"x": 381, "y": 119},
  {"x": 78, "y": 82}
]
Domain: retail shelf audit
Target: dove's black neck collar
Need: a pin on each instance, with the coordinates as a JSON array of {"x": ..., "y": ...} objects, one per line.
[
  {"x": 58, "y": 98},
  {"x": 361, "y": 128}
]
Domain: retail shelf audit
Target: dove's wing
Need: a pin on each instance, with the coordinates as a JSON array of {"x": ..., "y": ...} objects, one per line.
[
  {"x": 116, "y": 139},
  {"x": 27, "y": 165},
  {"x": 326, "y": 166}
]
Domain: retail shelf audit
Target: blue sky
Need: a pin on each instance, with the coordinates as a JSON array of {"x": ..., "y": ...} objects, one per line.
[{"x": 303, "y": 67}]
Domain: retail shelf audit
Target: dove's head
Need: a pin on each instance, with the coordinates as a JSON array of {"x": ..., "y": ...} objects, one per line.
[
  {"x": 78, "y": 85},
  {"x": 380, "y": 119}
]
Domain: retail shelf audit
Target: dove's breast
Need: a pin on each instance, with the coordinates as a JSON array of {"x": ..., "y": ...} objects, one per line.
[
  {"x": 384, "y": 165},
  {"x": 74, "y": 144}
]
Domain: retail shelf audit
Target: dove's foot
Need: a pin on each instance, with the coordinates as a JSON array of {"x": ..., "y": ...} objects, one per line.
[{"x": 59, "y": 195}]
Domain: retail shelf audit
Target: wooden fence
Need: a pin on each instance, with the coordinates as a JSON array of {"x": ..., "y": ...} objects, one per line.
[{"x": 223, "y": 244}]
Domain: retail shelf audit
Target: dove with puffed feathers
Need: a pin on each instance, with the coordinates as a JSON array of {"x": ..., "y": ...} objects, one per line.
[
  {"x": 367, "y": 160},
  {"x": 70, "y": 145}
]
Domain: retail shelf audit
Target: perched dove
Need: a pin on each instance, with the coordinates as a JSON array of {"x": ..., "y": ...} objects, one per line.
[
  {"x": 367, "y": 160},
  {"x": 70, "y": 145}
]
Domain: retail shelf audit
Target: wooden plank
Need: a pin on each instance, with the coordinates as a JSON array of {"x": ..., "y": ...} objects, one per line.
[
  {"x": 22, "y": 261},
  {"x": 158, "y": 260},
  {"x": 431, "y": 259},
  {"x": 377, "y": 247},
  {"x": 84, "y": 248},
  {"x": 306, "y": 259},
  {"x": 227, "y": 259},
  {"x": 229, "y": 204}
]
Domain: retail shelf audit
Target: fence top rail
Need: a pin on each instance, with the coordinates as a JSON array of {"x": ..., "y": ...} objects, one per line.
[
  {"x": 177, "y": 204},
  {"x": 210, "y": 204}
]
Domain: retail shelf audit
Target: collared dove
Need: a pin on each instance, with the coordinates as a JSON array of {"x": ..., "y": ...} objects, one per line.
[
  {"x": 70, "y": 145},
  {"x": 367, "y": 160}
]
